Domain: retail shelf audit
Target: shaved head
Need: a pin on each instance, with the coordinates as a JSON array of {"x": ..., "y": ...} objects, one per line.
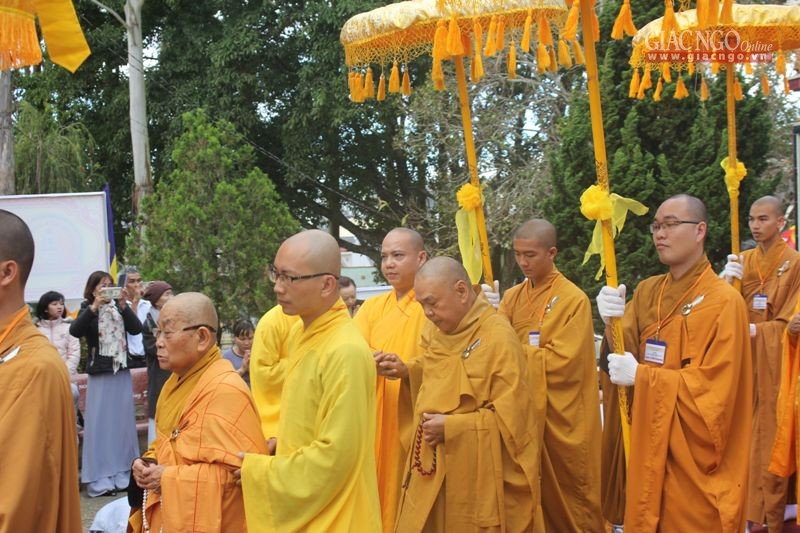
[
  {"x": 412, "y": 237},
  {"x": 539, "y": 230},
  {"x": 316, "y": 250},
  {"x": 445, "y": 293},
  {"x": 192, "y": 308},
  {"x": 771, "y": 202},
  {"x": 16, "y": 244},
  {"x": 694, "y": 206},
  {"x": 443, "y": 269},
  {"x": 189, "y": 322}
]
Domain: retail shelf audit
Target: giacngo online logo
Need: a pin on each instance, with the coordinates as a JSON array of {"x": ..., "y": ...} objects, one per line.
[{"x": 701, "y": 46}]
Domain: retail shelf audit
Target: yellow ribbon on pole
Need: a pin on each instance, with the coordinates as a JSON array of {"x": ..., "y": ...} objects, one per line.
[{"x": 470, "y": 202}]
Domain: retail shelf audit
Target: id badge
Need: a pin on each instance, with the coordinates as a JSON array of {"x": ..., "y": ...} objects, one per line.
[
  {"x": 759, "y": 302},
  {"x": 655, "y": 351},
  {"x": 533, "y": 339}
]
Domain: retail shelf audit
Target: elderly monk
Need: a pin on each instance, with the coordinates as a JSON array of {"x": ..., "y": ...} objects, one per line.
[
  {"x": 204, "y": 417},
  {"x": 474, "y": 463},
  {"x": 392, "y": 323},
  {"x": 38, "y": 443},
  {"x": 268, "y": 362},
  {"x": 690, "y": 368},
  {"x": 770, "y": 276},
  {"x": 553, "y": 320},
  {"x": 322, "y": 476}
]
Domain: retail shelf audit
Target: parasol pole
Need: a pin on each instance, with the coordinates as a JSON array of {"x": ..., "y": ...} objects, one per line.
[
  {"x": 472, "y": 162},
  {"x": 598, "y": 138},
  {"x": 730, "y": 78}
]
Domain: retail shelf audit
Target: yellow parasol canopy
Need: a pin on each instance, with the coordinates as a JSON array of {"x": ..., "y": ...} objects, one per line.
[{"x": 19, "y": 43}]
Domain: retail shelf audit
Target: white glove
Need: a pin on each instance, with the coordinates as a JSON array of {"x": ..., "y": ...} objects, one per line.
[
  {"x": 611, "y": 302},
  {"x": 752, "y": 330},
  {"x": 733, "y": 268},
  {"x": 492, "y": 295},
  {"x": 622, "y": 368}
]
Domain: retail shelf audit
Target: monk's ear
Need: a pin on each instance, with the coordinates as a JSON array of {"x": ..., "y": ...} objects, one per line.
[
  {"x": 206, "y": 339},
  {"x": 423, "y": 257},
  {"x": 551, "y": 253},
  {"x": 463, "y": 289},
  {"x": 702, "y": 231},
  {"x": 9, "y": 273},
  {"x": 330, "y": 285}
]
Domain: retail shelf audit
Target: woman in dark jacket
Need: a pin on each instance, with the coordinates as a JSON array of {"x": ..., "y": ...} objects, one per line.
[{"x": 110, "y": 443}]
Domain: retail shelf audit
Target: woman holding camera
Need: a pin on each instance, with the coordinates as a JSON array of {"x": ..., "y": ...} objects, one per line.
[{"x": 110, "y": 443}]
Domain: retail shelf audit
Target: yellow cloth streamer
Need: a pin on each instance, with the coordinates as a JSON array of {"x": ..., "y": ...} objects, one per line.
[
  {"x": 733, "y": 176},
  {"x": 597, "y": 204},
  {"x": 470, "y": 200}
]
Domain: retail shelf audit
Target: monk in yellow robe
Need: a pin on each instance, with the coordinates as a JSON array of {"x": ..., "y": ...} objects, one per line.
[
  {"x": 474, "y": 462},
  {"x": 322, "y": 474},
  {"x": 553, "y": 321},
  {"x": 268, "y": 360},
  {"x": 204, "y": 418},
  {"x": 770, "y": 276},
  {"x": 392, "y": 323},
  {"x": 38, "y": 442},
  {"x": 690, "y": 368}
]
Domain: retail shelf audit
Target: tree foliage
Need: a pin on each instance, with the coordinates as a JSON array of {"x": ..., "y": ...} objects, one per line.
[{"x": 214, "y": 222}]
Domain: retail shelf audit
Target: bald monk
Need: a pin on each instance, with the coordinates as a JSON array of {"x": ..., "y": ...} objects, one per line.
[
  {"x": 322, "y": 475},
  {"x": 474, "y": 464},
  {"x": 770, "y": 276},
  {"x": 688, "y": 361},
  {"x": 38, "y": 443},
  {"x": 204, "y": 418},
  {"x": 392, "y": 323},
  {"x": 553, "y": 321},
  {"x": 268, "y": 362}
]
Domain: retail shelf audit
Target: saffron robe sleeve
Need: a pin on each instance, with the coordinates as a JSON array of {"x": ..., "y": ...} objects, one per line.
[
  {"x": 566, "y": 353},
  {"x": 691, "y": 415},
  {"x": 268, "y": 361},
  {"x": 39, "y": 459},
  {"x": 322, "y": 477},
  {"x": 198, "y": 491}
]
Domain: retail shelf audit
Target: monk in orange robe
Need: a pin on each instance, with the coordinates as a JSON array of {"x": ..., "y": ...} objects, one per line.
[
  {"x": 38, "y": 442},
  {"x": 392, "y": 323},
  {"x": 770, "y": 276},
  {"x": 690, "y": 368},
  {"x": 204, "y": 418},
  {"x": 553, "y": 321},
  {"x": 474, "y": 463}
]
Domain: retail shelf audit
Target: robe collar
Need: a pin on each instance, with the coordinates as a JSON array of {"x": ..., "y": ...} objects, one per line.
[
  {"x": 323, "y": 323},
  {"x": 689, "y": 278}
]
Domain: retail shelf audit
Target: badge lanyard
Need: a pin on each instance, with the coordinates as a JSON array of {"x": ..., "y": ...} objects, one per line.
[
  {"x": 533, "y": 336},
  {"x": 22, "y": 313},
  {"x": 678, "y": 301},
  {"x": 762, "y": 280}
]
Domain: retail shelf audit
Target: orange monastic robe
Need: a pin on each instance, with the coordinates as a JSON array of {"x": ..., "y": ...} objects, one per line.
[
  {"x": 562, "y": 315},
  {"x": 690, "y": 431},
  {"x": 203, "y": 420},
  {"x": 38, "y": 443},
  {"x": 487, "y": 470},
  {"x": 777, "y": 275}
]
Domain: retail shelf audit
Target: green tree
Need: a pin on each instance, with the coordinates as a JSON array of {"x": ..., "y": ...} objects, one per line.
[{"x": 214, "y": 222}]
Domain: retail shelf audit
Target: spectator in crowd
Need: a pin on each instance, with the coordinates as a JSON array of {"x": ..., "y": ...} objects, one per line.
[
  {"x": 131, "y": 279},
  {"x": 347, "y": 290},
  {"x": 157, "y": 293},
  {"x": 110, "y": 443},
  {"x": 239, "y": 353},
  {"x": 54, "y": 324}
]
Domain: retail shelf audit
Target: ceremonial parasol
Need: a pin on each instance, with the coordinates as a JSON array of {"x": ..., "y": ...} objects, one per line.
[
  {"x": 398, "y": 33},
  {"x": 710, "y": 38},
  {"x": 19, "y": 42}
]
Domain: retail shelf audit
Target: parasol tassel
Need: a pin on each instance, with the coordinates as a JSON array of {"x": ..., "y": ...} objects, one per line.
[
  {"x": 512, "y": 61},
  {"x": 394, "y": 79},
  {"x": 542, "y": 58},
  {"x": 634, "y": 86},
  {"x": 477, "y": 59},
  {"x": 407, "y": 82},
  {"x": 564, "y": 59},
  {"x": 369, "y": 85},
  {"x": 669, "y": 24},
  {"x": 726, "y": 17},
  {"x": 595, "y": 23},
  {"x": 553, "y": 67},
  {"x": 680, "y": 90},
  {"x": 657, "y": 93},
  {"x": 748, "y": 68},
  {"x": 545, "y": 37},
  {"x": 576, "y": 50},
  {"x": 713, "y": 13},
  {"x": 358, "y": 88},
  {"x": 491, "y": 45},
  {"x": 645, "y": 84},
  {"x": 786, "y": 89},
  {"x": 624, "y": 23},
  {"x": 764, "y": 84},
  {"x": 571, "y": 26},
  {"x": 690, "y": 68},
  {"x": 737, "y": 90},
  {"x": 702, "y": 14},
  {"x": 525, "y": 43},
  {"x": 381, "y": 88},
  {"x": 455, "y": 46},
  {"x": 780, "y": 63},
  {"x": 665, "y": 72},
  {"x": 703, "y": 89},
  {"x": 350, "y": 83},
  {"x": 714, "y": 67},
  {"x": 500, "y": 42},
  {"x": 440, "y": 41}
]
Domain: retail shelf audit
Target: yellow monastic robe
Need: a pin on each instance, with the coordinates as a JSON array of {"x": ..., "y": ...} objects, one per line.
[
  {"x": 570, "y": 451},
  {"x": 268, "y": 360},
  {"x": 779, "y": 269},
  {"x": 486, "y": 474},
  {"x": 322, "y": 477},
  {"x": 690, "y": 431},
  {"x": 38, "y": 443},
  {"x": 393, "y": 326},
  {"x": 203, "y": 420}
]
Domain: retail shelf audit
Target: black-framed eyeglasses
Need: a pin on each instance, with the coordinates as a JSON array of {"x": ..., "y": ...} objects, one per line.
[
  {"x": 668, "y": 225},
  {"x": 167, "y": 334},
  {"x": 275, "y": 276}
]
